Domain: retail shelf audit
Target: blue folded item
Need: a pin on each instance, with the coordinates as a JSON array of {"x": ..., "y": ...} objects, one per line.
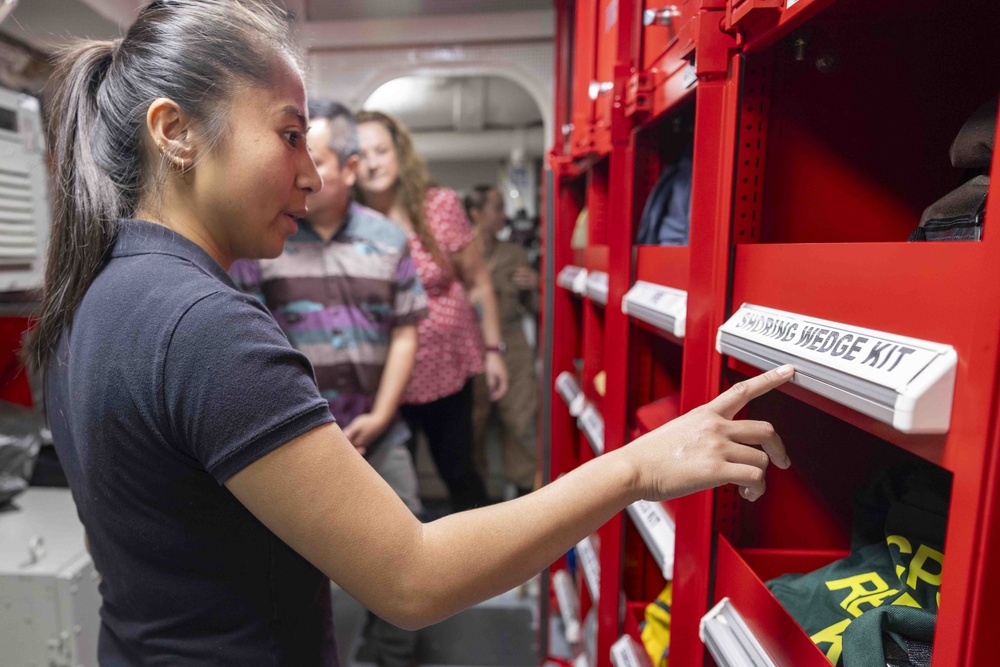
[{"x": 666, "y": 217}]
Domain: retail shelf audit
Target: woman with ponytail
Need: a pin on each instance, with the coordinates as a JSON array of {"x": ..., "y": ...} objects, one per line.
[{"x": 218, "y": 495}]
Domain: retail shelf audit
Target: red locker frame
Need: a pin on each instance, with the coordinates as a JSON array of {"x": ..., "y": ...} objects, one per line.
[{"x": 809, "y": 118}]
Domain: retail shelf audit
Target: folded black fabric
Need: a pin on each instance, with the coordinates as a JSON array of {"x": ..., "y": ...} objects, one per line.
[
  {"x": 973, "y": 147},
  {"x": 890, "y": 635},
  {"x": 666, "y": 217},
  {"x": 958, "y": 216}
]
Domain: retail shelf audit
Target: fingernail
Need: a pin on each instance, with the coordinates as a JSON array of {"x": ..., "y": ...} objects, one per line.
[
  {"x": 786, "y": 371},
  {"x": 788, "y": 462}
]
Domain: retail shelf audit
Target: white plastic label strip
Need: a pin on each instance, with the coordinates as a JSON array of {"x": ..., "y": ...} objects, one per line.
[
  {"x": 627, "y": 653},
  {"x": 657, "y": 530},
  {"x": 729, "y": 640},
  {"x": 902, "y": 381},
  {"x": 597, "y": 286},
  {"x": 570, "y": 392},
  {"x": 573, "y": 278},
  {"x": 569, "y": 604},
  {"x": 592, "y": 425},
  {"x": 690, "y": 75},
  {"x": 663, "y": 307},
  {"x": 589, "y": 562}
]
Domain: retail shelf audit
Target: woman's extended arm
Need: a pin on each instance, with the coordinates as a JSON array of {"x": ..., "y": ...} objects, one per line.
[{"x": 319, "y": 496}]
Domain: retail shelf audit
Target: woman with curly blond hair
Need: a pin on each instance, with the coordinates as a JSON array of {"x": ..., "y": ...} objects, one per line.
[{"x": 452, "y": 347}]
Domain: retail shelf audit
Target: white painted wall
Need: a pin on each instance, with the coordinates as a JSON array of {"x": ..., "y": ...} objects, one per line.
[
  {"x": 463, "y": 176},
  {"x": 349, "y": 60}
]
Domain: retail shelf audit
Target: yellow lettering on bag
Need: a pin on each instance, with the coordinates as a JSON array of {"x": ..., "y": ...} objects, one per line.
[
  {"x": 832, "y": 636},
  {"x": 917, "y": 571},
  {"x": 904, "y": 547},
  {"x": 860, "y": 593},
  {"x": 875, "y": 600}
]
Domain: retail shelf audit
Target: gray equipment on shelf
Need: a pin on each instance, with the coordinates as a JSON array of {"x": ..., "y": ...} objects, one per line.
[{"x": 49, "y": 602}]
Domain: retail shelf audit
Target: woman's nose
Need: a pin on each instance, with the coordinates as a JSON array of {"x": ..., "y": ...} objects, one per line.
[{"x": 309, "y": 178}]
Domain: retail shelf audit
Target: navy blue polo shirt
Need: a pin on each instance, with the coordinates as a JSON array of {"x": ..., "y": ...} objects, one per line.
[{"x": 168, "y": 382}]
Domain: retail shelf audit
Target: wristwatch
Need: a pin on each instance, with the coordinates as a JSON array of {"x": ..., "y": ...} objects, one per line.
[{"x": 499, "y": 348}]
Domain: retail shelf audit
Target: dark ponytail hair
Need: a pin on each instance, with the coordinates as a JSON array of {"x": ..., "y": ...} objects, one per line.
[{"x": 194, "y": 52}]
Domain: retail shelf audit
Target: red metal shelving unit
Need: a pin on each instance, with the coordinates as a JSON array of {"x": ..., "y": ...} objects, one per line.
[{"x": 821, "y": 132}]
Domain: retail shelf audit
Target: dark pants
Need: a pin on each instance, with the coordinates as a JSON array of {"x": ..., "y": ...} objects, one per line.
[
  {"x": 447, "y": 423},
  {"x": 390, "y": 646}
]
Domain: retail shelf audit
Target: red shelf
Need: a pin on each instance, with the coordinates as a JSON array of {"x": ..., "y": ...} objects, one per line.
[
  {"x": 802, "y": 194},
  {"x": 929, "y": 447},
  {"x": 788, "y": 20},
  {"x": 768, "y": 564},
  {"x": 656, "y": 331},
  {"x": 635, "y": 613},
  {"x": 672, "y": 86},
  {"x": 596, "y": 258},
  {"x": 902, "y": 288},
  {"x": 783, "y": 639},
  {"x": 663, "y": 265},
  {"x": 652, "y": 416},
  {"x": 662, "y": 45}
]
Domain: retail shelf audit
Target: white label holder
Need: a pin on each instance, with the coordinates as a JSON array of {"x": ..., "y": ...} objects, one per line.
[
  {"x": 592, "y": 425},
  {"x": 569, "y": 604},
  {"x": 597, "y": 287},
  {"x": 626, "y": 652},
  {"x": 569, "y": 390},
  {"x": 729, "y": 640},
  {"x": 657, "y": 531},
  {"x": 690, "y": 75},
  {"x": 573, "y": 278},
  {"x": 905, "y": 382},
  {"x": 663, "y": 307},
  {"x": 586, "y": 555}
]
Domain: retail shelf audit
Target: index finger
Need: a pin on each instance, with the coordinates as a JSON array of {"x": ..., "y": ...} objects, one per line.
[{"x": 734, "y": 399}]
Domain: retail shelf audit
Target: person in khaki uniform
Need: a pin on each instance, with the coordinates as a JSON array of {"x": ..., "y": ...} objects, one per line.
[{"x": 516, "y": 286}]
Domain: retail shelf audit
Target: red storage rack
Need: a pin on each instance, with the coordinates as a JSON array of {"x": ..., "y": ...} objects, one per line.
[
  {"x": 583, "y": 56},
  {"x": 821, "y": 131},
  {"x": 602, "y": 87}
]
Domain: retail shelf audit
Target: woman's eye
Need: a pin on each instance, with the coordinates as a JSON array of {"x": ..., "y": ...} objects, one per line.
[{"x": 293, "y": 138}]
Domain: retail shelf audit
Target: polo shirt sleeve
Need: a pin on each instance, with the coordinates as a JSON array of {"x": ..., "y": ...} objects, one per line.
[
  {"x": 233, "y": 388},
  {"x": 409, "y": 297},
  {"x": 246, "y": 275}
]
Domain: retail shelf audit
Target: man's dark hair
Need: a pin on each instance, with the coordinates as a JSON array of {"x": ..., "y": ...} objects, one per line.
[{"x": 343, "y": 130}]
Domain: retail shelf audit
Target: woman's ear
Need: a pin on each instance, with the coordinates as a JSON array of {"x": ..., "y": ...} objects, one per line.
[{"x": 168, "y": 128}]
